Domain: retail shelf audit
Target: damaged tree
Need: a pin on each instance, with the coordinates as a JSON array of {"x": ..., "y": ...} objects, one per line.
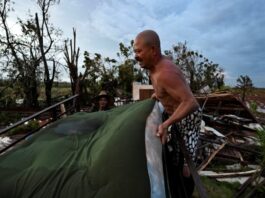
[
  {"x": 42, "y": 29},
  {"x": 29, "y": 51},
  {"x": 72, "y": 64},
  {"x": 244, "y": 83},
  {"x": 22, "y": 55},
  {"x": 71, "y": 59}
]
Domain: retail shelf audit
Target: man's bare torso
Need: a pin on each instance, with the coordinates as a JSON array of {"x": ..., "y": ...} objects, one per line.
[{"x": 165, "y": 67}]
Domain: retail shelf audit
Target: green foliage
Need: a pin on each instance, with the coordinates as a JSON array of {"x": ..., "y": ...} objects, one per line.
[
  {"x": 222, "y": 167},
  {"x": 253, "y": 106},
  {"x": 100, "y": 74},
  {"x": 244, "y": 83},
  {"x": 27, "y": 62},
  {"x": 7, "y": 118},
  {"x": 111, "y": 75},
  {"x": 260, "y": 192},
  {"x": 24, "y": 57},
  {"x": 226, "y": 88},
  {"x": 25, "y": 128},
  {"x": 261, "y": 136},
  {"x": 129, "y": 71},
  {"x": 198, "y": 70},
  {"x": 9, "y": 95}
]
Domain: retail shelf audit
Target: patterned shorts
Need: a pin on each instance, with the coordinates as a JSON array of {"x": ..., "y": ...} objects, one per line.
[{"x": 188, "y": 129}]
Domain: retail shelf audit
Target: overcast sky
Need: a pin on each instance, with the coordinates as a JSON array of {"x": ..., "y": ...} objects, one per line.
[{"x": 228, "y": 32}]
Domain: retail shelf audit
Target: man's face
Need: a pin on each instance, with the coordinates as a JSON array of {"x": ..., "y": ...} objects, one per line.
[{"x": 143, "y": 53}]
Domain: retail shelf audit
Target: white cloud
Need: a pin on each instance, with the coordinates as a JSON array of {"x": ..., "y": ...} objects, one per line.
[{"x": 227, "y": 32}]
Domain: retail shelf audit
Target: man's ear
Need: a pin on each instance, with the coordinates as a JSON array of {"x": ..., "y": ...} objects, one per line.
[{"x": 153, "y": 49}]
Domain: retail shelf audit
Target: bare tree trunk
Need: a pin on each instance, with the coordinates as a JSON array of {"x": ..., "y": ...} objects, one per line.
[
  {"x": 72, "y": 62},
  {"x": 48, "y": 93},
  {"x": 48, "y": 81}
]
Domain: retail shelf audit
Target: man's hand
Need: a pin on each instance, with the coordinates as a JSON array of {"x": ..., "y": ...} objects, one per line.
[
  {"x": 162, "y": 133},
  {"x": 154, "y": 96}
]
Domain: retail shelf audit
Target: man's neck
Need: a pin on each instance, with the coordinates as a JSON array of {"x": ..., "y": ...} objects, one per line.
[{"x": 156, "y": 61}]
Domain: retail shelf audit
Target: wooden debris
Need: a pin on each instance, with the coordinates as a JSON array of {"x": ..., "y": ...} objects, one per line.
[
  {"x": 232, "y": 174},
  {"x": 207, "y": 161},
  {"x": 228, "y": 136}
]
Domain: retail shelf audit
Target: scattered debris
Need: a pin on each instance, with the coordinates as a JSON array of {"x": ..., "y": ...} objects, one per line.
[
  {"x": 4, "y": 141},
  {"x": 229, "y": 145}
]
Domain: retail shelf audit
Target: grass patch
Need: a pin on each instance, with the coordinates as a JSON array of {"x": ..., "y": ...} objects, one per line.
[
  {"x": 217, "y": 167},
  {"x": 261, "y": 136},
  {"x": 216, "y": 189}
]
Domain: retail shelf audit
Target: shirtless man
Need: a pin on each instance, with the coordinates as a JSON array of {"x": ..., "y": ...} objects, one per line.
[
  {"x": 169, "y": 85},
  {"x": 168, "y": 81}
]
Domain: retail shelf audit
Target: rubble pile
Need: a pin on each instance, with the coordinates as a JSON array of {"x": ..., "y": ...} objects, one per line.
[{"x": 229, "y": 148}]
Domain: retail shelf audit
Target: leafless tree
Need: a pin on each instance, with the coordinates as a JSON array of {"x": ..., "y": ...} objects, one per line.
[{"x": 71, "y": 56}]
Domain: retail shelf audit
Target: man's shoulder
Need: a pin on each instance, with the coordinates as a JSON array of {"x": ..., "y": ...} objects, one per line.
[
  {"x": 168, "y": 68},
  {"x": 169, "y": 72},
  {"x": 168, "y": 64}
]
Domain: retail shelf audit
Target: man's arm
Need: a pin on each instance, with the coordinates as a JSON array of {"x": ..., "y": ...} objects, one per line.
[{"x": 173, "y": 84}]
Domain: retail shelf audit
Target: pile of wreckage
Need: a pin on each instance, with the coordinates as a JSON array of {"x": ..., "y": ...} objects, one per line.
[{"x": 229, "y": 146}]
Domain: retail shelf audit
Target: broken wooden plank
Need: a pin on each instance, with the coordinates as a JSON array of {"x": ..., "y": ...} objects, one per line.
[
  {"x": 245, "y": 185},
  {"x": 241, "y": 147},
  {"x": 214, "y": 131},
  {"x": 213, "y": 174},
  {"x": 237, "y": 153},
  {"x": 209, "y": 159}
]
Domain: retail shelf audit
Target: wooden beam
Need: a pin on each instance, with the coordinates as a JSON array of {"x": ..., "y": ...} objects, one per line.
[
  {"x": 225, "y": 175},
  {"x": 209, "y": 159},
  {"x": 241, "y": 147}
]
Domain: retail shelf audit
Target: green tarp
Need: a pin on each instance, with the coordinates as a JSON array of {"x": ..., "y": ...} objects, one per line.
[{"x": 99, "y": 154}]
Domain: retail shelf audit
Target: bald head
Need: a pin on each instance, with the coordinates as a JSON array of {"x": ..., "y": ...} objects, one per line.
[
  {"x": 150, "y": 38},
  {"x": 147, "y": 49}
]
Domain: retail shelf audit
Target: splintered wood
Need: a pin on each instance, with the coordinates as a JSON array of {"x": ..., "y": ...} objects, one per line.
[{"x": 228, "y": 137}]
